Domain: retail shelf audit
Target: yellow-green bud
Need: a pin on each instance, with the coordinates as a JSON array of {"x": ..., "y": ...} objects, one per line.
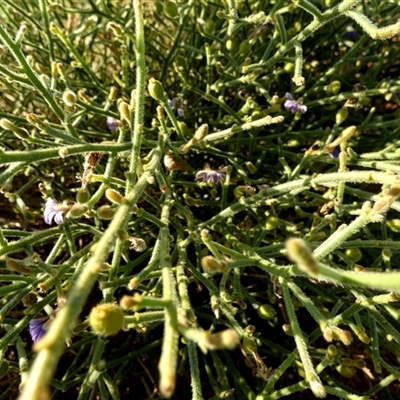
[
  {"x": 114, "y": 196},
  {"x": 342, "y": 115},
  {"x": 331, "y": 352},
  {"x": 78, "y": 210},
  {"x": 231, "y": 45},
  {"x": 271, "y": 223},
  {"x": 393, "y": 225},
  {"x": 106, "y": 319},
  {"x": 19, "y": 132},
  {"x": 105, "y": 212},
  {"x": 184, "y": 128},
  {"x": 266, "y": 311},
  {"x": 354, "y": 254},
  {"x": 156, "y": 90},
  {"x": 171, "y": 9},
  {"x": 125, "y": 112},
  {"x": 334, "y": 87},
  {"x": 346, "y": 371},
  {"x": 201, "y": 133},
  {"x": 300, "y": 253},
  {"x": 82, "y": 196}
]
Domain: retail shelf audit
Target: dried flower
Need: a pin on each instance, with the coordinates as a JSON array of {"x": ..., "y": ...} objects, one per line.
[
  {"x": 292, "y": 105},
  {"x": 54, "y": 210},
  {"x": 37, "y": 329},
  {"x": 210, "y": 176}
]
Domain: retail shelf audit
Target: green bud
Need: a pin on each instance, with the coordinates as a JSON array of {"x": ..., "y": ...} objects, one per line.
[
  {"x": 346, "y": 371},
  {"x": 266, "y": 311},
  {"x": 334, "y": 87},
  {"x": 249, "y": 345},
  {"x": 171, "y": 9},
  {"x": 244, "y": 47},
  {"x": 354, "y": 254},
  {"x": 184, "y": 128},
  {"x": 156, "y": 90},
  {"x": 19, "y": 132},
  {"x": 158, "y": 8},
  {"x": 124, "y": 111},
  {"x": 106, "y": 319},
  {"x": 331, "y": 352},
  {"x": 105, "y": 212},
  {"x": 271, "y": 223},
  {"x": 82, "y": 196},
  {"x": 209, "y": 26},
  {"x": 78, "y": 210},
  {"x": 231, "y": 45},
  {"x": 342, "y": 115},
  {"x": 300, "y": 253},
  {"x": 114, "y": 196}
]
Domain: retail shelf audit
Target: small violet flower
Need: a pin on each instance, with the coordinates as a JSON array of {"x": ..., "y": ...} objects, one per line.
[
  {"x": 292, "y": 105},
  {"x": 112, "y": 124},
  {"x": 172, "y": 103},
  {"x": 36, "y": 328},
  {"x": 334, "y": 153},
  {"x": 54, "y": 210},
  {"x": 210, "y": 176}
]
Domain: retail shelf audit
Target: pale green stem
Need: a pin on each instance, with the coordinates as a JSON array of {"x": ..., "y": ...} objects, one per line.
[
  {"x": 140, "y": 90},
  {"x": 311, "y": 376}
]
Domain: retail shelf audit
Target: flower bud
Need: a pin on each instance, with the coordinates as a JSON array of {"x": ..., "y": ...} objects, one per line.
[
  {"x": 18, "y": 265},
  {"x": 271, "y": 223},
  {"x": 300, "y": 253},
  {"x": 342, "y": 115},
  {"x": 124, "y": 111},
  {"x": 266, "y": 311},
  {"x": 114, "y": 196},
  {"x": 69, "y": 98},
  {"x": 82, "y": 196},
  {"x": 106, "y": 319},
  {"x": 334, "y": 87},
  {"x": 212, "y": 266},
  {"x": 201, "y": 133},
  {"x": 105, "y": 212},
  {"x": 225, "y": 340},
  {"x": 133, "y": 283},
  {"x": 354, "y": 254},
  {"x": 346, "y": 371},
  {"x": 78, "y": 210},
  {"x": 171, "y": 10},
  {"x": 156, "y": 90},
  {"x": 19, "y": 132}
]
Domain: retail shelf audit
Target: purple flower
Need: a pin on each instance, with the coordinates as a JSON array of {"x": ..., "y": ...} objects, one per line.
[
  {"x": 112, "y": 124},
  {"x": 180, "y": 112},
  {"x": 292, "y": 105},
  {"x": 210, "y": 176},
  {"x": 352, "y": 35},
  {"x": 54, "y": 210},
  {"x": 172, "y": 103},
  {"x": 36, "y": 328},
  {"x": 334, "y": 153}
]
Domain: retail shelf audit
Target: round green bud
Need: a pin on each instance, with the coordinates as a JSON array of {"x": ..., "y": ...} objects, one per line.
[
  {"x": 156, "y": 89},
  {"x": 342, "y": 115},
  {"x": 209, "y": 26},
  {"x": 334, "y": 87},
  {"x": 171, "y": 9},
  {"x": 266, "y": 311},
  {"x": 184, "y": 128},
  {"x": 354, "y": 254},
  {"x": 158, "y": 8},
  {"x": 271, "y": 223},
  {"x": 244, "y": 47},
  {"x": 105, "y": 212},
  {"x": 346, "y": 371},
  {"x": 82, "y": 196},
  {"x": 231, "y": 45},
  {"x": 106, "y": 319}
]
